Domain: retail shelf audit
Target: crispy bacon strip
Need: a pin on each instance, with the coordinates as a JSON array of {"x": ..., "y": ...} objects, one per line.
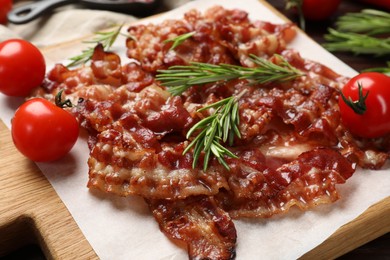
[
  {"x": 207, "y": 230},
  {"x": 121, "y": 165},
  {"x": 310, "y": 180},
  {"x": 221, "y": 36},
  {"x": 105, "y": 69}
]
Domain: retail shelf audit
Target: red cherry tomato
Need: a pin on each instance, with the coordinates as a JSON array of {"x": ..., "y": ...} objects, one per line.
[
  {"x": 43, "y": 131},
  {"x": 375, "y": 120},
  {"x": 318, "y": 10},
  {"x": 5, "y": 7},
  {"x": 22, "y": 67}
]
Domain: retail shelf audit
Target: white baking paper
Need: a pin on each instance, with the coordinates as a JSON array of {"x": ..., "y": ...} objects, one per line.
[{"x": 123, "y": 228}]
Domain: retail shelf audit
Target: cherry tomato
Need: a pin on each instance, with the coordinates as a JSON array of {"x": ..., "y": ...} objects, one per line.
[
  {"x": 43, "y": 131},
  {"x": 5, "y": 7},
  {"x": 374, "y": 105},
  {"x": 318, "y": 10},
  {"x": 22, "y": 67},
  {"x": 315, "y": 10}
]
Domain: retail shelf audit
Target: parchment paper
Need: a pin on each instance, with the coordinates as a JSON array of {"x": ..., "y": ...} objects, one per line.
[{"x": 123, "y": 228}]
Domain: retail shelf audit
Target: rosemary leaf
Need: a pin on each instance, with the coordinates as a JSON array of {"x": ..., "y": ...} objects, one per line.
[
  {"x": 200, "y": 124},
  {"x": 178, "y": 90},
  {"x": 84, "y": 57},
  {"x": 210, "y": 134},
  {"x": 206, "y": 160},
  {"x": 179, "y": 39},
  {"x": 221, "y": 161},
  {"x": 107, "y": 39}
]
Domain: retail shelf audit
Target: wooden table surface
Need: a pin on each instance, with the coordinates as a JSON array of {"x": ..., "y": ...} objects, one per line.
[{"x": 376, "y": 249}]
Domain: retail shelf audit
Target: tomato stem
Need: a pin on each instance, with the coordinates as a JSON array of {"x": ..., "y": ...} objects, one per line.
[
  {"x": 62, "y": 103},
  {"x": 298, "y": 5},
  {"x": 358, "y": 106}
]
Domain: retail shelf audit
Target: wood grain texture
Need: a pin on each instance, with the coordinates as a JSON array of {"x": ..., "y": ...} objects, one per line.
[
  {"x": 32, "y": 212},
  {"x": 373, "y": 223}
]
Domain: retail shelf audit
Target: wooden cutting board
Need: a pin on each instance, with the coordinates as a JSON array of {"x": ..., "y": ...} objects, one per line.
[{"x": 32, "y": 212}]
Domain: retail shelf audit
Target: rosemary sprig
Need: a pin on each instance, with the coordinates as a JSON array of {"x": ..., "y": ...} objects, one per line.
[
  {"x": 368, "y": 21},
  {"x": 222, "y": 126},
  {"x": 219, "y": 128},
  {"x": 179, "y": 39},
  {"x": 356, "y": 43},
  {"x": 179, "y": 78},
  {"x": 107, "y": 39}
]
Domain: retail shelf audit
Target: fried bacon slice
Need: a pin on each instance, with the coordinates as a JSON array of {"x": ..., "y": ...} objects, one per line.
[
  {"x": 207, "y": 230},
  {"x": 221, "y": 36},
  {"x": 132, "y": 162},
  {"x": 261, "y": 191},
  {"x": 105, "y": 69},
  {"x": 134, "y": 154}
]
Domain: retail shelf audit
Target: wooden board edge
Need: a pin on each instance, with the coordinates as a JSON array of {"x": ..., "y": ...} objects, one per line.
[
  {"x": 371, "y": 224},
  {"x": 31, "y": 212}
]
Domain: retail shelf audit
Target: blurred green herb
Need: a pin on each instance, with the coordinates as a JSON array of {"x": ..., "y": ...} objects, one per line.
[
  {"x": 360, "y": 33},
  {"x": 368, "y": 21},
  {"x": 356, "y": 43}
]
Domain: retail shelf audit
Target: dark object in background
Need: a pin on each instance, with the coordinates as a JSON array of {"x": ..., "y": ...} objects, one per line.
[
  {"x": 384, "y": 4},
  {"x": 28, "y": 12}
]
